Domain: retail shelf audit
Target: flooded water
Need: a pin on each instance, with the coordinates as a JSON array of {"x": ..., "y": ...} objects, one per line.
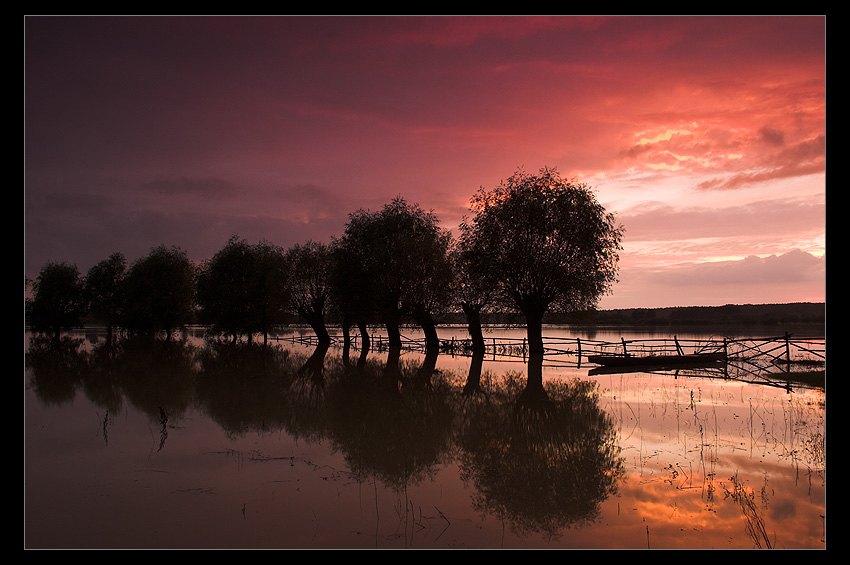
[{"x": 186, "y": 446}]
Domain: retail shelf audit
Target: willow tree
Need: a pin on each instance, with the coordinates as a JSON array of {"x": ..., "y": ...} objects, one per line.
[
  {"x": 57, "y": 301},
  {"x": 159, "y": 292},
  {"x": 401, "y": 255},
  {"x": 243, "y": 289},
  {"x": 310, "y": 284},
  {"x": 351, "y": 298},
  {"x": 474, "y": 287},
  {"x": 548, "y": 244},
  {"x": 104, "y": 291}
]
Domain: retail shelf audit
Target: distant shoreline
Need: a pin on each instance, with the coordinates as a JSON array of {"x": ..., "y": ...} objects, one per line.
[
  {"x": 805, "y": 317},
  {"x": 784, "y": 316}
]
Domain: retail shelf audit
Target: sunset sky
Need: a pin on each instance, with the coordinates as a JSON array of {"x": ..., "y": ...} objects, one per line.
[{"x": 704, "y": 135}]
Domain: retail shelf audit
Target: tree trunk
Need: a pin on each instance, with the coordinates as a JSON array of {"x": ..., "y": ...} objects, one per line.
[
  {"x": 346, "y": 335},
  {"x": 393, "y": 332},
  {"x": 429, "y": 328},
  {"x": 534, "y": 329},
  {"x": 534, "y": 391},
  {"x": 473, "y": 323},
  {"x": 317, "y": 323},
  {"x": 346, "y": 341},
  {"x": 392, "y": 371},
  {"x": 364, "y": 336},
  {"x": 314, "y": 367}
]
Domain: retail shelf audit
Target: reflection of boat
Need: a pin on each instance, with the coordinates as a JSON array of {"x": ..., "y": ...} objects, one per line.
[{"x": 661, "y": 361}]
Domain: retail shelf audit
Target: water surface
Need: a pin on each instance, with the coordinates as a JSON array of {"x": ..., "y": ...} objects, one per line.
[{"x": 187, "y": 446}]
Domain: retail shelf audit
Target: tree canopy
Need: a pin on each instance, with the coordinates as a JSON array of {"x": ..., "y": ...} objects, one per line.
[
  {"x": 243, "y": 289},
  {"x": 401, "y": 255},
  {"x": 104, "y": 290},
  {"x": 310, "y": 284},
  {"x": 57, "y": 301},
  {"x": 546, "y": 241},
  {"x": 160, "y": 292}
]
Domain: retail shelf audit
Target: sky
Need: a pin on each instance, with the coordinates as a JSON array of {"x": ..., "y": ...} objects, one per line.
[{"x": 705, "y": 136}]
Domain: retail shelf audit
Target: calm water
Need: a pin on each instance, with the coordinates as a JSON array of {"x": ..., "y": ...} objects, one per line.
[{"x": 186, "y": 447}]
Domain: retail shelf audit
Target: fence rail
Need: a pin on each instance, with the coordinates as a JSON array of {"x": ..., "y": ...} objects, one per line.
[{"x": 785, "y": 349}]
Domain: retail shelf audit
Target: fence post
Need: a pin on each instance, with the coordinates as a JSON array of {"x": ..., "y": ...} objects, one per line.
[{"x": 788, "y": 347}]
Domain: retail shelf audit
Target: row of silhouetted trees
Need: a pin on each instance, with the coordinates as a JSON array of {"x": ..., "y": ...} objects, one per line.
[{"x": 535, "y": 243}]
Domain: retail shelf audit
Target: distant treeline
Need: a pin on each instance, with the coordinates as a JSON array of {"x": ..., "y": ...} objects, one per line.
[{"x": 797, "y": 313}]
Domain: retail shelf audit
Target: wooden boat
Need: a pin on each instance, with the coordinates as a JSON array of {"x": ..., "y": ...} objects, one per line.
[{"x": 687, "y": 360}]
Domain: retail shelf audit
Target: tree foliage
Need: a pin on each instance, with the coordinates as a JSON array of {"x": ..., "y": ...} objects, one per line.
[
  {"x": 546, "y": 242},
  {"x": 160, "y": 291},
  {"x": 310, "y": 284},
  {"x": 351, "y": 293},
  {"x": 57, "y": 301},
  {"x": 242, "y": 289},
  {"x": 475, "y": 286},
  {"x": 399, "y": 251},
  {"x": 104, "y": 288}
]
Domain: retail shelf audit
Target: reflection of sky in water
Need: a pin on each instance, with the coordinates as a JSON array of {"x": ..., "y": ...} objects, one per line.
[{"x": 691, "y": 447}]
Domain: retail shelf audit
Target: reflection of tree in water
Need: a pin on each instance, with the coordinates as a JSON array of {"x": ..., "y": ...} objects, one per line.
[
  {"x": 473, "y": 378},
  {"x": 306, "y": 415},
  {"x": 541, "y": 468},
  {"x": 101, "y": 383},
  {"x": 398, "y": 434},
  {"x": 157, "y": 375},
  {"x": 56, "y": 367},
  {"x": 244, "y": 387}
]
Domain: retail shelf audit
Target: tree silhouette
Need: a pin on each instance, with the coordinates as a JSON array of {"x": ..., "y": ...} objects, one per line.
[
  {"x": 104, "y": 291},
  {"x": 474, "y": 286},
  {"x": 310, "y": 283},
  {"x": 547, "y": 242},
  {"x": 351, "y": 291},
  {"x": 431, "y": 287},
  {"x": 270, "y": 282},
  {"x": 398, "y": 252},
  {"x": 223, "y": 289},
  {"x": 57, "y": 301},
  {"x": 160, "y": 290},
  {"x": 542, "y": 469},
  {"x": 243, "y": 289}
]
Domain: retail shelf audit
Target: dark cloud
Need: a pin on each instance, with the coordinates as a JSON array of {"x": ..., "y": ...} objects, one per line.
[
  {"x": 204, "y": 188},
  {"x": 772, "y": 136}
]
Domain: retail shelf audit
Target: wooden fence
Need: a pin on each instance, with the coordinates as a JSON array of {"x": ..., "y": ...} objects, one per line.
[{"x": 785, "y": 349}]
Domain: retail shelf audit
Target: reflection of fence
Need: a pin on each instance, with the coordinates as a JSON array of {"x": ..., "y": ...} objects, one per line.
[
  {"x": 765, "y": 361},
  {"x": 758, "y": 352}
]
